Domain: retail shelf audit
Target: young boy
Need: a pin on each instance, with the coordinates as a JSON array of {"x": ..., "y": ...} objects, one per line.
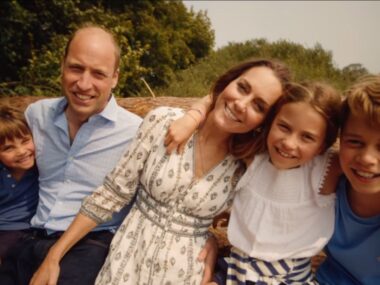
[
  {"x": 18, "y": 177},
  {"x": 353, "y": 253}
]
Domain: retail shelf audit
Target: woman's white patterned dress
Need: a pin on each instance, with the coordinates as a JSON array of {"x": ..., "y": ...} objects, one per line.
[{"x": 160, "y": 239}]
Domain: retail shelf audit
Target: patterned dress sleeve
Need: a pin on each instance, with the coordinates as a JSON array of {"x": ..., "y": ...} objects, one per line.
[{"x": 120, "y": 185}]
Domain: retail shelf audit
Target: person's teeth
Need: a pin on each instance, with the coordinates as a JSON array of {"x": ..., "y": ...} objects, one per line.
[
  {"x": 26, "y": 158},
  {"x": 284, "y": 154},
  {"x": 230, "y": 114},
  {"x": 83, "y": 97},
  {"x": 365, "y": 174}
]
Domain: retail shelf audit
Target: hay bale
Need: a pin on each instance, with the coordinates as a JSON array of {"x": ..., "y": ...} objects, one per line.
[{"x": 137, "y": 105}]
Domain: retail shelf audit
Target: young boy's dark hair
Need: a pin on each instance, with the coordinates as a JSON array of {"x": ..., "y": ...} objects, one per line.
[{"x": 12, "y": 124}]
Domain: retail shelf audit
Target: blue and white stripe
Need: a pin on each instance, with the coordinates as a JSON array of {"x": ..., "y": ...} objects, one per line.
[{"x": 242, "y": 268}]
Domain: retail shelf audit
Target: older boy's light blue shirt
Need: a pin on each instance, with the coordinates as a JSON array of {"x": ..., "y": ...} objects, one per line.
[
  {"x": 353, "y": 253},
  {"x": 68, "y": 173}
]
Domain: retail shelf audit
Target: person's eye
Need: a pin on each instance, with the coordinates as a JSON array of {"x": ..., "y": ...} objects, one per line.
[
  {"x": 308, "y": 138},
  {"x": 75, "y": 68},
  {"x": 283, "y": 127},
  {"x": 258, "y": 107},
  {"x": 7, "y": 148},
  {"x": 100, "y": 75},
  {"x": 26, "y": 140},
  {"x": 242, "y": 87},
  {"x": 353, "y": 143}
]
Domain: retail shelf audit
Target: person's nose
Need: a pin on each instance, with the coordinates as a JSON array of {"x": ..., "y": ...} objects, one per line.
[
  {"x": 241, "y": 104},
  {"x": 21, "y": 150},
  {"x": 85, "y": 81},
  {"x": 368, "y": 156},
  {"x": 290, "y": 141}
]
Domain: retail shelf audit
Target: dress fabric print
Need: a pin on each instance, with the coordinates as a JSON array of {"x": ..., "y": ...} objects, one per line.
[{"x": 160, "y": 239}]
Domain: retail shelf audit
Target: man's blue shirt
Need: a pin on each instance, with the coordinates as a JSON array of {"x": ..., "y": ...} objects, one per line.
[{"x": 69, "y": 172}]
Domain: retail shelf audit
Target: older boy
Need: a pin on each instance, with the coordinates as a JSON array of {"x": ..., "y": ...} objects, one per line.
[{"x": 353, "y": 253}]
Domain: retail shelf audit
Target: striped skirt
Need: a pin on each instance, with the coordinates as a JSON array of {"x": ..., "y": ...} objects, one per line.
[{"x": 243, "y": 269}]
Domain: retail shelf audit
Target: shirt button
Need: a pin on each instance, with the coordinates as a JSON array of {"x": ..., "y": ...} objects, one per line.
[
  {"x": 13, "y": 185},
  {"x": 9, "y": 176}
]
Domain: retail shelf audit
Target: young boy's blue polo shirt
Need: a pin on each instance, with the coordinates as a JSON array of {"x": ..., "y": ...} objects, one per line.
[{"x": 18, "y": 199}]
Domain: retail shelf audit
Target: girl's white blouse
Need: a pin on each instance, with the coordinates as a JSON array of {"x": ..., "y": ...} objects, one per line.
[{"x": 279, "y": 214}]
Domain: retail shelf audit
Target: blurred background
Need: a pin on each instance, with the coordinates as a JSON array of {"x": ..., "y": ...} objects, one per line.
[{"x": 178, "y": 48}]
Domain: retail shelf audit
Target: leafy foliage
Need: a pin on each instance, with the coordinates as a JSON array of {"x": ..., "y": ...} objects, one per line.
[
  {"x": 162, "y": 43},
  {"x": 157, "y": 38},
  {"x": 306, "y": 64}
]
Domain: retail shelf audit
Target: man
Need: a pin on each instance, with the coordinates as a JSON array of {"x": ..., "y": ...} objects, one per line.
[{"x": 79, "y": 139}]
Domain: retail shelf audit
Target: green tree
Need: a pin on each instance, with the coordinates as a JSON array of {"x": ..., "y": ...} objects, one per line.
[
  {"x": 353, "y": 71},
  {"x": 157, "y": 39},
  {"x": 15, "y": 31},
  {"x": 306, "y": 64}
]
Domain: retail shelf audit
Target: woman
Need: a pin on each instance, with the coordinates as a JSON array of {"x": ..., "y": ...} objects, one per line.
[{"x": 177, "y": 195}]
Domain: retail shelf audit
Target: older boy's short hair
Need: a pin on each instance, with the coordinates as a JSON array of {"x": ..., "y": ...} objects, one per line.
[
  {"x": 12, "y": 123},
  {"x": 363, "y": 100}
]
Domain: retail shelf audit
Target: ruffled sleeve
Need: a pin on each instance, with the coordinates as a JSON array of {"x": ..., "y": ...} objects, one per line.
[{"x": 319, "y": 168}]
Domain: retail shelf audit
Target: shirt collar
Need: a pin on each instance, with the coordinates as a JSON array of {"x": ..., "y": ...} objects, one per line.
[{"x": 109, "y": 113}]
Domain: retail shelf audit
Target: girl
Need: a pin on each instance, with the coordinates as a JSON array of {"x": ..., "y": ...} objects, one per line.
[{"x": 280, "y": 217}]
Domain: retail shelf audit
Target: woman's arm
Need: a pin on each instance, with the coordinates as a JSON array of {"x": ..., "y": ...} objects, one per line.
[
  {"x": 181, "y": 129},
  {"x": 48, "y": 272}
]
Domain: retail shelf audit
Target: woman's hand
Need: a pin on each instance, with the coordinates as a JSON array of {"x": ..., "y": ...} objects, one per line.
[
  {"x": 209, "y": 254},
  {"x": 47, "y": 273},
  {"x": 181, "y": 129},
  {"x": 179, "y": 132}
]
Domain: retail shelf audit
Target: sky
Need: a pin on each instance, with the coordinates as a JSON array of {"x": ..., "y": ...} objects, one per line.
[{"x": 348, "y": 29}]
